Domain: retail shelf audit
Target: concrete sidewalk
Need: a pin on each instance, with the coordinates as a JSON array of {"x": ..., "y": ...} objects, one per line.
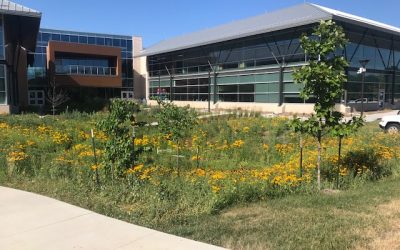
[{"x": 31, "y": 221}]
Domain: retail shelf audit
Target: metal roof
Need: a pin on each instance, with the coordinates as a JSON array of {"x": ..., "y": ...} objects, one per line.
[
  {"x": 294, "y": 16},
  {"x": 360, "y": 20},
  {"x": 10, "y": 8}
]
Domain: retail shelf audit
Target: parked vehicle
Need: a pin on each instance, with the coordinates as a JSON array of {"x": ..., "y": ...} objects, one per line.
[{"x": 391, "y": 123}]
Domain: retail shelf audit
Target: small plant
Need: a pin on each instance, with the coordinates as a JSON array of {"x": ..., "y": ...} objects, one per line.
[
  {"x": 342, "y": 130},
  {"x": 119, "y": 154},
  {"x": 175, "y": 123},
  {"x": 56, "y": 97},
  {"x": 365, "y": 162}
]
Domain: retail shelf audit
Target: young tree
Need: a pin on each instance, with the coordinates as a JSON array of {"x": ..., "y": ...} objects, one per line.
[
  {"x": 119, "y": 154},
  {"x": 342, "y": 130},
  {"x": 323, "y": 79},
  {"x": 301, "y": 129},
  {"x": 175, "y": 122},
  {"x": 56, "y": 97}
]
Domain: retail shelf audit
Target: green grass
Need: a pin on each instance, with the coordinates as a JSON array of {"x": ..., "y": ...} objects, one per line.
[
  {"x": 315, "y": 221},
  {"x": 324, "y": 221},
  {"x": 226, "y": 200}
]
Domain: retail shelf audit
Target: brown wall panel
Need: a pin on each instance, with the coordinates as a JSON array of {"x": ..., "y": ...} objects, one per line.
[{"x": 85, "y": 80}]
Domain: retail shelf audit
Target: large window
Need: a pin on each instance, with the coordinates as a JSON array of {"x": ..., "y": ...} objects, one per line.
[
  {"x": 3, "y": 86},
  {"x": 248, "y": 69},
  {"x": 71, "y": 64},
  {"x": 250, "y": 52},
  {"x": 92, "y": 66}
]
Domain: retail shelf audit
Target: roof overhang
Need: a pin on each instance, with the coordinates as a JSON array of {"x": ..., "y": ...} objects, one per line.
[
  {"x": 21, "y": 30},
  {"x": 21, "y": 24},
  {"x": 10, "y": 8},
  {"x": 296, "y": 16}
]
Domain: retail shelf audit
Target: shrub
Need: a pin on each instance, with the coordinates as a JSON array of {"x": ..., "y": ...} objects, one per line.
[
  {"x": 119, "y": 154},
  {"x": 366, "y": 161}
]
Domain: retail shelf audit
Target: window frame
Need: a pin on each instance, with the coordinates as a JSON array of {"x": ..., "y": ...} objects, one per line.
[
  {"x": 129, "y": 94},
  {"x": 36, "y": 99}
]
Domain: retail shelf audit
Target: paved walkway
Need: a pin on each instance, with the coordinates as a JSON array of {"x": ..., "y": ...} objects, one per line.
[{"x": 30, "y": 221}]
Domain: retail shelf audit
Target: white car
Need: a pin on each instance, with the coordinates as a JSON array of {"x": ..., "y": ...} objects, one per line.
[{"x": 391, "y": 123}]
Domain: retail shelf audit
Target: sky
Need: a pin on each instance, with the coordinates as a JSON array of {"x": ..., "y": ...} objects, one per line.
[{"x": 157, "y": 20}]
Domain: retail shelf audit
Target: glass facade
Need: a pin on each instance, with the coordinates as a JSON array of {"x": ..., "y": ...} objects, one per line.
[
  {"x": 37, "y": 77},
  {"x": 3, "y": 83},
  {"x": 382, "y": 80},
  {"x": 72, "y": 64},
  {"x": 243, "y": 70},
  {"x": 248, "y": 69}
]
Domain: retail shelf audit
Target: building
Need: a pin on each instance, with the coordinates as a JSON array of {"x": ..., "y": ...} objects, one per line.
[
  {"x": 249, "y": 63},
  {"x": 87, "y": 65},
  {"x": 18, "y": 29},
  {"x": 88, "y": 68}
]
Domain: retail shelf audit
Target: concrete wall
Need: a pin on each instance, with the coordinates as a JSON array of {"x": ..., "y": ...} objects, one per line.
[
  {"x": 139, "y": 70},
  {"x": 287, "y": 108},
  {"x": 5, "y": 109}
]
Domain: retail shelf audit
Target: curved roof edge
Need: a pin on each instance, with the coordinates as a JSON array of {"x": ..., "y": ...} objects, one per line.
[{"x": 294, "y": 16}]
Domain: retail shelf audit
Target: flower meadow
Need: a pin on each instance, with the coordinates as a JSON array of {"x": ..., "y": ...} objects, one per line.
[{"x": 224, "y": 160}]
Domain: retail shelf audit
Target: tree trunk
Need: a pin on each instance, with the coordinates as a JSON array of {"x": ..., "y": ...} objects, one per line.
[
  {"x": 319, "y": 162},
  {"x": 339, "y": 156},
  {"x": 53, "y": 102},
  {"x": 198, "y": 156},
  {"x": 177, "y": 159},
  {"x": 301, "y": 156}
]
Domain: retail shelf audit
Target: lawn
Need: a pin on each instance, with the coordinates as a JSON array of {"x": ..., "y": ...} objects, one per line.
[{"x": 233, "y": 180}]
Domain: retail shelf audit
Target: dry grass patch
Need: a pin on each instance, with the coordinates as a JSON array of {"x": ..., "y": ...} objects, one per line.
[{"x": 390, "y": 238}]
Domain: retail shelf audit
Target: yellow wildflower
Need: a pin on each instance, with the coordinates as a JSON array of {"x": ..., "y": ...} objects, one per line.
[
  {"x": 218, "y": 175},
  {"x": 215, "y": 189},
  {"x": 200, "y": 172},
  {"x": 17, "y": 156},
  {"x": 4, "y": 125},
  {"x": 238, "y": 143},
  {"x": 196, "y": 158}
]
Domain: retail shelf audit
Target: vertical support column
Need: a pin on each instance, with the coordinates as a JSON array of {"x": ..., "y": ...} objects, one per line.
[
  {"x": 345, "y": 86},
  {"x": 171, "y": 86},
  {"x": 393, "y": 85},
  {"x": 281, "y": 87},
  {"x": 215, "y": 88},
  {"x": 159, "y": 85},
  {"x": 209, "y": 91},
  {"x": 393, "y": 72}
]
